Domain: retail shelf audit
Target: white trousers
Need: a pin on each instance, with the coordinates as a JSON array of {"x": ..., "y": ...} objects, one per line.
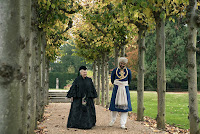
[{"x": 124, "y": 116}]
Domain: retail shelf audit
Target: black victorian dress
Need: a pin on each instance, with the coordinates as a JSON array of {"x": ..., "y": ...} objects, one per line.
[{"x": 82, "y": 113}]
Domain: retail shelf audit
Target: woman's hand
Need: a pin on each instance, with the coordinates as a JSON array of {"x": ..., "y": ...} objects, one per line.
[{"x": 71, "y": 99}]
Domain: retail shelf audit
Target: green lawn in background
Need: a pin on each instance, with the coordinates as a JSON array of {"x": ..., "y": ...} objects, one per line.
[{"x": 176, "y": 107}]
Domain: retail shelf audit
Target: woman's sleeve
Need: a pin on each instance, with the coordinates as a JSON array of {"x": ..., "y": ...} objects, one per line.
[
  {"x": 92, "y": 92},
  {"x": 72, "y": 91}
]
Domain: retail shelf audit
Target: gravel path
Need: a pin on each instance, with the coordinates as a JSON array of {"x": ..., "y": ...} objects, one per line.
[{"x": 56, "y": 115}]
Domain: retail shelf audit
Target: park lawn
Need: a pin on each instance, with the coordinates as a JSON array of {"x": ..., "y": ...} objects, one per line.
[{"x": 176, "y": 107}]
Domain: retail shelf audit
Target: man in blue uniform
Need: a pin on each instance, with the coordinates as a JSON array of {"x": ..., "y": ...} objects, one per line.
[{"x": 120, "y": 100}]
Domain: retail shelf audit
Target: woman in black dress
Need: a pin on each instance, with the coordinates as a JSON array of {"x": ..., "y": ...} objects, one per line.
[{"x": 82, "y": 92}]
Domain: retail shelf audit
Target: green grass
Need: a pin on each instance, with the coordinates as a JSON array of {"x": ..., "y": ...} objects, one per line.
[{"x": 176, "y": 107}]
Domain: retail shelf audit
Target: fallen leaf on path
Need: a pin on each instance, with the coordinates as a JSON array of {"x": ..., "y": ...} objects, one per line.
[
  {"x": 45, "y": 130},
  {"x": 43, "y": 127},
  {"x": 156, "y": 131}
]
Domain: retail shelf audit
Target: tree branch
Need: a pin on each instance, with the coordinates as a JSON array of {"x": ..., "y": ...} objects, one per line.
[
  {"x": 71, "y": 11},
  {"x": 100, "y": 30},
  {"x": 80, "y": 35},
  {"x": 67, "y": 28}
]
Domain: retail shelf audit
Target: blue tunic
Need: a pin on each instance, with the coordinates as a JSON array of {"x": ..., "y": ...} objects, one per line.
[{"x": 115, "y": 76}]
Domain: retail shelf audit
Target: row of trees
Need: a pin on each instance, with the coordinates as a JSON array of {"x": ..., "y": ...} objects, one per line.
[
  {"x": 113, "y": 23},
  {"x": 30, "y": 36},
  {"x": 176, "y": 58},
  {"x": 24, "y": 68},
  {"x": 107, "y": 24}
]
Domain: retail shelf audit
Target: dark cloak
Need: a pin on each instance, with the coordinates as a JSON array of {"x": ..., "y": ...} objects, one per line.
[{"x": 82, "y": 116}]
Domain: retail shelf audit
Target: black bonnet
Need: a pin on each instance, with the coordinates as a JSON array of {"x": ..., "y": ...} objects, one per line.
[{"x": 82, "y": 67}]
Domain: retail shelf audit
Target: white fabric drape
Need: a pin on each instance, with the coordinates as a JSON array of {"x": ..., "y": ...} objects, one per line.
[{"x": 121, "y": 96}]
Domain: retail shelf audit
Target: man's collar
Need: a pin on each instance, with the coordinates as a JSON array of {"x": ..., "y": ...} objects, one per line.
[{"x": 122, "y": 68}]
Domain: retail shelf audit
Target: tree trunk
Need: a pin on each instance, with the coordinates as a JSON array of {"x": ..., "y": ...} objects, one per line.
[
  {"x": 25, "y": 25},
  {"x": 38, "y": 77},
  {"x": 32, "y": 121},
  {"x": 192, "y": 69},
  {"x": 107, "y": 81},
  {"x": 98, "y": 80},
  {"x": 32, "y": 118},
  {"x": 10, "y": 76},
  {"x": 103, "y": 80},
  {"x": 95, "y": 74},
  {"x": 42, "y": 68},
  {"x": 46, "y": 81},
  {"x": 116, "y": 56},
  {"x": 123, "y": 53},
  {"x": 161, "y": 78},
  {"x": 140, "y": 79}
]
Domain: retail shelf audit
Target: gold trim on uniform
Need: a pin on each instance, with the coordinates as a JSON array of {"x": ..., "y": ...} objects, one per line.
[{"x": 121, "y": 73}]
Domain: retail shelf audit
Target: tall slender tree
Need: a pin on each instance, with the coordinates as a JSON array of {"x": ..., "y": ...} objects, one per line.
[
  {"x": 103, "y": 80},
  {"x": 141, "y": 70},
  {"x": 193, "y": 17}
]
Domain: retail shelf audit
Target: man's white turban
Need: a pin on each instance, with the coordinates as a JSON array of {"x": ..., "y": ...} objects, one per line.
[{"x": 123, "y": 59}]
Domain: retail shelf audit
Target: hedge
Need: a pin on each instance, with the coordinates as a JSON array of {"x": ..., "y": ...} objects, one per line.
[{"x": 63, "y": 77}]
